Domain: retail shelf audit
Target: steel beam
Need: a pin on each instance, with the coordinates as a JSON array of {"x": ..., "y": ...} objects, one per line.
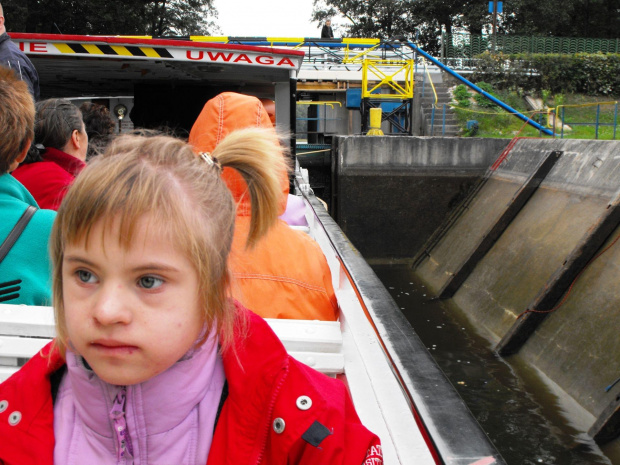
[
  {"x": 554, "y": 289},
  {"x": 489, "y": 238}
]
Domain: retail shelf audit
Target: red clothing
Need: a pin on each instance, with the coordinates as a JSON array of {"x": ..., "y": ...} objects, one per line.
[
  {"x": 48, "y": 180},
  {"x": 265, "y": 385},
  {"x": 286, "y": 274}
]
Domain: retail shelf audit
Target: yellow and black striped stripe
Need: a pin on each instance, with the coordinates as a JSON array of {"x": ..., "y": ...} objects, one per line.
[
  {"x": 114, "y": 50},
  {"x": 161, "y": 52}
]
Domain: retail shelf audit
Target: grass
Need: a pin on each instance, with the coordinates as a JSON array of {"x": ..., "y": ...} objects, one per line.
[{"x": 496, "y": 123}]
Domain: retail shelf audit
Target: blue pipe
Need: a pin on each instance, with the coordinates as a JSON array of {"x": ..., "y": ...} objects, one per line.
[
  {"x": 479, "y": 90},
  {"x": 416, "y": 49}
]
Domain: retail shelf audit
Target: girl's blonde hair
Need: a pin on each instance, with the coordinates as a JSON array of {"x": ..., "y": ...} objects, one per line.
[{"x": 185, "y": 196}]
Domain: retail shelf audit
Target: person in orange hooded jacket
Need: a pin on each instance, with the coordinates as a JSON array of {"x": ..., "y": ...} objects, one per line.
[{"x": 285, "y": 274}]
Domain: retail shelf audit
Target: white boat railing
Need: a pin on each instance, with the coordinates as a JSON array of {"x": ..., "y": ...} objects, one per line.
[{"x": 398, "y": 390}]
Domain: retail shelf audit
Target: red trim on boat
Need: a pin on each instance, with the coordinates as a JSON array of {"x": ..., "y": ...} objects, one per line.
[{"x": 149, "y": 42}]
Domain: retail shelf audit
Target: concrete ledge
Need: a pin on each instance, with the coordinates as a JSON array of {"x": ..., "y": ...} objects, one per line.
[
  {"x": 391, "y": 193},
  {"x": 397, "y": 152}
]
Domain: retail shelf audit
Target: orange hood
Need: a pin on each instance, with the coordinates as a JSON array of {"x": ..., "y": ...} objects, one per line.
[{"x": 220, "y": 116}]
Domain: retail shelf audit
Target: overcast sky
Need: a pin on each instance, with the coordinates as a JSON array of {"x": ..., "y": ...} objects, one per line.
[{"x": 271, "y": 18}]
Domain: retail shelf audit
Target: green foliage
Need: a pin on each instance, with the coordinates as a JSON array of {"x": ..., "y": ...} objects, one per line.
[
  {"x": 499, "y": 124},
  {"x": 481, "y": 100},
  {"x": 593, "y": 74},
  {"x": 110, "y": 17},
  {"x": 462, "y": 96}
]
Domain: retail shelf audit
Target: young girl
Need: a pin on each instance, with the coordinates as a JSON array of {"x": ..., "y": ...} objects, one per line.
[{"x": 153, "y": 362}]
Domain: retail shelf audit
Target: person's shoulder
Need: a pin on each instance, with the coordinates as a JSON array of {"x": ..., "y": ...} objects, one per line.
[
  {"x": 53, "y": 171},
  {"x": 9, "y": 47},
  {"x": 45, "y": 218}
]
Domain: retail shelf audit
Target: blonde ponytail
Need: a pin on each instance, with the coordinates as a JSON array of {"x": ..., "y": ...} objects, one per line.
[{"x": 260, "y": 159}]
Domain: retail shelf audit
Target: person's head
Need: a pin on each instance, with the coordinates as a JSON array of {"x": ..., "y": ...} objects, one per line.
[
  {"x": 59, "y": 125},
  {"x": 140, "y": 248},
  {"x": 270, "y": 108},
  {"x": 2, "y": 26},
  {"x": 227, "y": 112},
  {"x": 99, "y": 126},
  {"x": 16, "y": 120},
  {"x": 328, "y": 22}
]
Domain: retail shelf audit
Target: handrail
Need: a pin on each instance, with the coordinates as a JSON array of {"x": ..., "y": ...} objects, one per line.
[
  {"x": 556, "y": 112},
  {"x": 431, "y": 81},
  {"x": 436, "y": 99},
  {"x": 330, "y": 103}
]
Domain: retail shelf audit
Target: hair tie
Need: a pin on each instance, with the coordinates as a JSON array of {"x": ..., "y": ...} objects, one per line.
[
  {"x": 40, "y": 148},
  {"x": 211, "y": 161}
]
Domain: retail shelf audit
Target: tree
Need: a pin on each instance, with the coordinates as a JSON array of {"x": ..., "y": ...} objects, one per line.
[
  {"x": 389, "y": 18},
  {"x": 112, "y": 17},
  {"x": 181, "y": 17},
  {"x": 373, "y": 18},
  {"x": 427, "y": 18},
  {"x": 564, "y": 18}
]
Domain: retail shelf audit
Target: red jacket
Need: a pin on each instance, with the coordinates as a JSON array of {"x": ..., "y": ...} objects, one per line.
[
  {"x": 48, "y": 180},
  {"x": 266, "y": 388}
]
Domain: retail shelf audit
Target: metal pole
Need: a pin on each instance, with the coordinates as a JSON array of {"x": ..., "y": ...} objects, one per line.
[
  {"x": 494, "y": 25},
  {"x": 598, "y": 112},
  {"x": 562, "y": 122},
  {"x": 415, "y": 56},
  {"x": 433, "y": 120},
  {"x": 442, "y": 54},
  {"x": 615, "y": 119},
  {"x": 468, "y": 83},
  {"x": 443, "y": 123}
]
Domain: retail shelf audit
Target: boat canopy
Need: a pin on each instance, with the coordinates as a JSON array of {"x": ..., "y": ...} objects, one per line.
[{"x": 71, "y": 65}]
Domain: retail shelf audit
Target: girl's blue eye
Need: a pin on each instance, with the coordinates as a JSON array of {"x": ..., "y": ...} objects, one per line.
[
  {"x": 150, "y": 282},
  {"x": 85, "y": 276}
]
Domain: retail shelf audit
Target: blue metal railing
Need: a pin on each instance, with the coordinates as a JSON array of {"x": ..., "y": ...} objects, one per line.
[{"x": 597, "y": 123}]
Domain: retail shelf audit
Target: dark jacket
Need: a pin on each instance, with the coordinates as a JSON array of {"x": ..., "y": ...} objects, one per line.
[
  {"x": 327, "y": 32},
  {"x": 12, "y": 57},
  {"x": 262, "y": 420}
]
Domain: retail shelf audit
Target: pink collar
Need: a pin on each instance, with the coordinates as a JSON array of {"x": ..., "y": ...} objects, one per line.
[{"x": 163, "y": 416}]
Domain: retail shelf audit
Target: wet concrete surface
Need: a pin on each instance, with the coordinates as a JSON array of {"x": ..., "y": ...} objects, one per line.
[{"x": 524, "y": 417}]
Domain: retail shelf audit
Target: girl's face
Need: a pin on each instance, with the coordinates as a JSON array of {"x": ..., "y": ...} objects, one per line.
[{"x": 130, "y": 312}]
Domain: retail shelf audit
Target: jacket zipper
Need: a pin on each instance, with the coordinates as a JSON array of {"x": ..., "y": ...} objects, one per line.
[
  {"x": 272, "y": 404},
  {"x": 124, "y": 449}
]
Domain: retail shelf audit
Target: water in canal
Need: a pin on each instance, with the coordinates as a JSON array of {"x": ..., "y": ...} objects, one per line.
[{"x": 528, "y": 423}]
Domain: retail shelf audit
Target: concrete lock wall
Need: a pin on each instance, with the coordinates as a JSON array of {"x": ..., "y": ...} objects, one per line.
[
  {"x": 391, "y": 193},
  {"x": 576, "y": 345}
]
